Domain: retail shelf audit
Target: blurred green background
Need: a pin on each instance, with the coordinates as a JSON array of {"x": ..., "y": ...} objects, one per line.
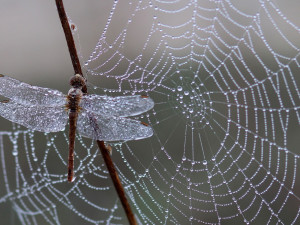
[{"x": 33, "y": 49}]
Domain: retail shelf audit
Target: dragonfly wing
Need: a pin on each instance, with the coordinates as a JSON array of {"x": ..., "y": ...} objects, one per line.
[
  {"x": 39, "y": 118},
  {"x": 26, "y": 94},
  {"x": 111, "y": 128},
  {"x": 121, "y": 106}
]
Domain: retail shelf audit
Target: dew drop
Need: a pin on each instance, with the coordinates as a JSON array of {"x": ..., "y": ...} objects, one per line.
[{"x": 179, "y": 88}]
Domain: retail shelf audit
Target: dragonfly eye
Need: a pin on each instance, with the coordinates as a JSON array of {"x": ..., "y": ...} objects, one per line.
[{"x": 77, "y": 81}]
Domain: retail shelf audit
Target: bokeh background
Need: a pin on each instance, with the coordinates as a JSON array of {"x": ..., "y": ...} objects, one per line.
[{"x": 33, "y": 49}]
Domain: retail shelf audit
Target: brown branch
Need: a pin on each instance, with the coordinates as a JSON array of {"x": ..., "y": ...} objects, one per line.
[
  {"x": 70, "y": 40},
  {"x": 116, "y": 180},
  {"x": 103, "y": 149}
]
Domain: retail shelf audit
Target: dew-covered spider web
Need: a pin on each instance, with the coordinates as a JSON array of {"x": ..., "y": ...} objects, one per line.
[{"x": 224, "y": 76}]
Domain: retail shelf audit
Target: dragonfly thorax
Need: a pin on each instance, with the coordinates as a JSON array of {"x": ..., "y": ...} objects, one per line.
[
  {"x": 75, "y": 92},
  {"x": 73, "y": 98}
]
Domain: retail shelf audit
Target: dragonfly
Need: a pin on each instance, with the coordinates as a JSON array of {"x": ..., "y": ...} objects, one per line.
[{"x": 98, "y": 117}]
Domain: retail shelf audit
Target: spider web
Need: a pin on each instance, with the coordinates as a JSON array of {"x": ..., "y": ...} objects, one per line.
[{"x": 225, "y": 150}]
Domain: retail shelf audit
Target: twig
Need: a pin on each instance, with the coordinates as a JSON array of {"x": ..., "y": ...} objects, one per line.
[
  {"x": 103, "y": 149},
  {"x": 118, "y": 185},
  {"x": 70, "y": 40}
]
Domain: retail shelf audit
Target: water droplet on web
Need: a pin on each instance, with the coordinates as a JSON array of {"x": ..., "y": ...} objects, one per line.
[
  {"x": 179, "y": 88},
  {"x": 14, "y": 153},
  {"x": 186, "y": 93}
]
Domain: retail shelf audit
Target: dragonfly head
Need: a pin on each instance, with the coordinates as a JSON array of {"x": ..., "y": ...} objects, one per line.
[{"x": 77, "y": 81}]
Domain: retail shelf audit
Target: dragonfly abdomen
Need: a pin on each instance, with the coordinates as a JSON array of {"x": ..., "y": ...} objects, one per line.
[
  {"x": 72, "y": 130},
  {"x": 73, "y": 98}
]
